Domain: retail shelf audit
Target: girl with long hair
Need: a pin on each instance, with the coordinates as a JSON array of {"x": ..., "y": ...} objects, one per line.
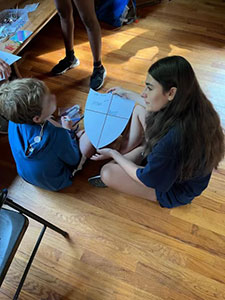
[{"x": 183, "y": 139}]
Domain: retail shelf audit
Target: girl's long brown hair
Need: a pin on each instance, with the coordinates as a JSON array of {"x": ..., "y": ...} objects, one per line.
[{"x": 198, "y": 125}]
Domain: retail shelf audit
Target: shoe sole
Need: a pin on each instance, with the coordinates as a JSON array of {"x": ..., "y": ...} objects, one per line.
[
  {"x": 104, "y": 76},
  {"x": 96, "y": 181},
  {"x": 76, "y": 64}
]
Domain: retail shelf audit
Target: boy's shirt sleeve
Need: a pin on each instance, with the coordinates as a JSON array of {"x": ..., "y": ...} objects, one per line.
[{"x": 67, "y": 148}]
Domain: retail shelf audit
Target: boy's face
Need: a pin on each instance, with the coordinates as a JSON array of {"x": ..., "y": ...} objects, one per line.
[{"x": 48, "y": 108}]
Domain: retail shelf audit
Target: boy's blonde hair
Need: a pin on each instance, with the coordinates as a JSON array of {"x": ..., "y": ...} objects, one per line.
[{"x": 22, "y": 99}]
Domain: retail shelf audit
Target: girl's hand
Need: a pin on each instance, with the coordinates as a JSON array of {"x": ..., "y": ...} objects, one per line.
[
  {"x": 105, "y": 153},
  {"x": 66, "y": 123},
  {"x": 118, "y": 91},
  {"x": 4, "y": 69}
]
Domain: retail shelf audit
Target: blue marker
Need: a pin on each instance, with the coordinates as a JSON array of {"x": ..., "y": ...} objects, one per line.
[{"x": 75, "y": 119}]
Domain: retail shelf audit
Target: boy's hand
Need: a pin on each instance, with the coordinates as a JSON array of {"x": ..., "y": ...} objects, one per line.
[
  {"x": 4, "y": 69},
  {"x": 66, "y": 123}
]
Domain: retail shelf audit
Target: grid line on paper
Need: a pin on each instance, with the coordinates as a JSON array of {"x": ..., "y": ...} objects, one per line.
[
  {"x": 95, "y": 111},
  {"x": 106, "y": 115}
]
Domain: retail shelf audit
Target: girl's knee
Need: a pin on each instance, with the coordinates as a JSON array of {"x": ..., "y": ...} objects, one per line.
[
  {"x": 139, "y": 110},
  {"x": 107, "y": 173},
  {"x": 139, "y": 113}
]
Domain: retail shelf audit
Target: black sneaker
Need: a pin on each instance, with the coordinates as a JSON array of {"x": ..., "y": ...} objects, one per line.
[
  {"x": 97, "y": 78},
  {"x": 3, "y": 125},
  {"x": 96, "y": 181},
  {"x": 64, "y": 65}
]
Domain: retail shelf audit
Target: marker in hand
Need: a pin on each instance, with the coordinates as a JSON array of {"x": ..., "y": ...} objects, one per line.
[{"x": 76, "y": 120}]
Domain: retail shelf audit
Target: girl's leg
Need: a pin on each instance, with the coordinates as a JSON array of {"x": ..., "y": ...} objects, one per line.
[
  {"x": 113, "y": 175},
  {"x": 86, "y": 9},
  {"x": 86, "y": 148},
  {"x": 134, "y": 134},
  {"x": 65, "y": 11}
]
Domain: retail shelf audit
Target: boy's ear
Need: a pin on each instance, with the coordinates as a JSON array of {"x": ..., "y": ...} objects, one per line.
[
  {"x": 37, "y": 119},
  {"x": 172, "y": 93}
]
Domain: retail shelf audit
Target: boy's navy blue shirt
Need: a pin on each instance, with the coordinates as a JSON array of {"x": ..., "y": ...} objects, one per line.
[
  {"x": 162, "y": 174},
  {"x": 51, "y": 163}
]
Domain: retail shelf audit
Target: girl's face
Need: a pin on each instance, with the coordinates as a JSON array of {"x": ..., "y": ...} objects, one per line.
[{"x": 154, "y": 96}]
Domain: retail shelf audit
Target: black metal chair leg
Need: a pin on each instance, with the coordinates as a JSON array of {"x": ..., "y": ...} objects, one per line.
[
  {"x": 35, "y": 217},
  {"x": 22, "y": 212},
  {"x": 29, "y": 263}
]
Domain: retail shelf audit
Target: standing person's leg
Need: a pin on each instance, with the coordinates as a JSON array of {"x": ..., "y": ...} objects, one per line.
[
  {"x": 87, "y": 13},
  {"x": 86, "y": 9},
  {"x": 65, "y": 12}
]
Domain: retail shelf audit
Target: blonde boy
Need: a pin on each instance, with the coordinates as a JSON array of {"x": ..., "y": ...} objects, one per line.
[{"x": 45, "y": 155}]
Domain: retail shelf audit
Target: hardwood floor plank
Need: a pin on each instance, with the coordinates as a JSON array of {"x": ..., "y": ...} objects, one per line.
[
  {"x": 202, "y": 217},
  {"x": 192, "y": 286},
  {"x": 123, "y": 247}
]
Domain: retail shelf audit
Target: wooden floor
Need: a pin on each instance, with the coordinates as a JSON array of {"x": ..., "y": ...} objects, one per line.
[{"x": 123, "y": 247}]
